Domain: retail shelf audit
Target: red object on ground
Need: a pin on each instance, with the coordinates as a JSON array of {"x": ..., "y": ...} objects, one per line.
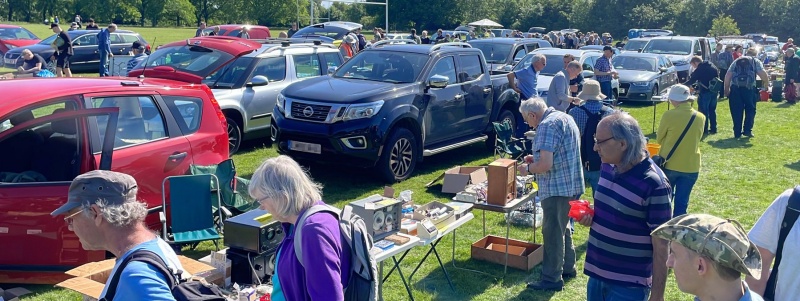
[
  {"x": 764, "y": 95},
  {"x": 579, "y": 208}
]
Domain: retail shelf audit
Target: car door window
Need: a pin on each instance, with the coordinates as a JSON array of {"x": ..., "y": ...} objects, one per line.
[
  {"x": 116, "y": 39},
  {"x": 127, "y": 38},
  {"x": 697, "y": 47},
  {"x": 471, "y": 68},
  {"x": 274, "y": 68},
  {"x": 306, "y": 65},
  {"x": 187, "y": 111},
  {"x": 520, "y": 53},
  {"x": 42, "y": 110},
  {"x": 446, "y": 67},
  {"x": 332, "y": 59},
  {"x": 140, "y": 120},
  {"x": 85, "y": 40},
  {"x": 531, "y": 47},
  {"x": 588, "y": 63}
]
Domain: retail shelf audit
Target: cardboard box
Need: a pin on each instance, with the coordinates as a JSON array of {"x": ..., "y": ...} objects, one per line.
[
  {"x": 442, "y": 221},
  {"x": 522, "y": 255},
  {"x": 502, "y": 181},
  {"x": 221, "y": 276},
  {"x": 90, "y": 278},
  {"x": 456, "y": 178}
]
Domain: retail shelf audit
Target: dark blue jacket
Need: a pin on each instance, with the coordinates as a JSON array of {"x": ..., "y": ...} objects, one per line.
[{"x": 104, "y": 40}]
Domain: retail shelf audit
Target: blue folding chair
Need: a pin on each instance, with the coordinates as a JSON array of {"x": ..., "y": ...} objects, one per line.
[{"x": 190, "y": 205}]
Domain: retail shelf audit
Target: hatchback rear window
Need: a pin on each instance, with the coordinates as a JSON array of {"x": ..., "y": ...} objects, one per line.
[
  {"x": 188, "y": 58},
  {"x": 187, "y": 111}
]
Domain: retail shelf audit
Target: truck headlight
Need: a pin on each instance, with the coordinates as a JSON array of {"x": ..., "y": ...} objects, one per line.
[
  {"x": 640, "y": 84},
  {"x": 280, "y": 102},
  {"x": 366, "y": 110}
]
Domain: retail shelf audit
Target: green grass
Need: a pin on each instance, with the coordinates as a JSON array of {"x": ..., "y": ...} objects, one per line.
[{"x": 739, "y": 179}]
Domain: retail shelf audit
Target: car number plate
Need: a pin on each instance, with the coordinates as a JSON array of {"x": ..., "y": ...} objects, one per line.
[
  {"x": 621, "y": 91},
  {"x": 10, "y": 61},
  {"x": 305, "y": 147}
]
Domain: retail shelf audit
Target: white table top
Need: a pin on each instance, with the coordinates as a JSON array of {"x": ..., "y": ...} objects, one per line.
[
  {"x": 394, "y": 250},
  {"x": 450, "y": 228}
]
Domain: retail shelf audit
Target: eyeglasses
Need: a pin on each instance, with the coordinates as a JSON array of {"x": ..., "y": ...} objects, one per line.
[
  {"x": 601, "y": 141},
  {"x": 68, "y": 219}
]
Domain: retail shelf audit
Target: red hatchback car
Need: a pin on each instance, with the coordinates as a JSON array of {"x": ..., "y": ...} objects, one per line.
[
  {"x": 52, "y": 130},
  {"x": 233, "y": 30},
  {"x": 13, "y": 36}
]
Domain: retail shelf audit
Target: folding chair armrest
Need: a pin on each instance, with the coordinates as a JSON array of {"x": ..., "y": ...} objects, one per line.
[{"x": 163, "y": 219}]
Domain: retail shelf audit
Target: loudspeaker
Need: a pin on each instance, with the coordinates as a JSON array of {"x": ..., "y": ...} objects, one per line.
[{"x": 249, "y": 267}]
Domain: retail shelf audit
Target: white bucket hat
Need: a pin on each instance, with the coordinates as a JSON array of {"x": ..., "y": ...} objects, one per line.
[
  {"x": 679, "y": 93},
  {"x": 591, "y": 91}
]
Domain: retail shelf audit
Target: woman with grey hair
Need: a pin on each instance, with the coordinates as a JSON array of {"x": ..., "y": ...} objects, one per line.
[{"x": 285, "y": 190}]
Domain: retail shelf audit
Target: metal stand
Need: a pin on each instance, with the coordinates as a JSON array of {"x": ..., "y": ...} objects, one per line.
[
  {"x": 399, "y": 272},
  {"x": 435, "y": 253}
]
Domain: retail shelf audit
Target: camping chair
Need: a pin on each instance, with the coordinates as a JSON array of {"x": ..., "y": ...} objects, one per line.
[
  {"x": 233, "y": 190},
  {"x": 191, "y": 217},
  {"x": 505, "y": 144}
]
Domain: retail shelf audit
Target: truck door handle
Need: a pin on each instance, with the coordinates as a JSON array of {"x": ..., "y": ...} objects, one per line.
[
  {"x": 459, "y": 96},
  {"x": 487, "y": 90},
  {"x": 177, "y": 157}
]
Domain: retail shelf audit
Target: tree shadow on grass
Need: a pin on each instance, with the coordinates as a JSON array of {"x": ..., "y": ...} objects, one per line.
[{"x": 731, "y": 143}]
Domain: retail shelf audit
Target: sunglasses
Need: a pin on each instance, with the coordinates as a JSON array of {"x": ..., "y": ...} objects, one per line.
[{"x": 68, "y": 219}]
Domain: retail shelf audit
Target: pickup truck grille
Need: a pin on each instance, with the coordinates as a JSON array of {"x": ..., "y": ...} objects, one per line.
[{"x": 310, "y": 112}]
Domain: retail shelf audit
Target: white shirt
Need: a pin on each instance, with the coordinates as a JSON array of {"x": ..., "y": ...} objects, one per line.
[{"x": 765, "y": 235}]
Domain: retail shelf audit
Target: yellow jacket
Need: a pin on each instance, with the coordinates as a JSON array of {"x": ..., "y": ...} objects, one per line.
[{"x": 687, "y": 156}]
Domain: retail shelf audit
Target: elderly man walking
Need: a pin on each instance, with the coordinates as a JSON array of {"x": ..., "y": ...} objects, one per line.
[
  {"x": 623, "y": 262},
  {"x": 104, "y": 47},
  {"x": 556, "y": 160},
  {"x": 709, "y": 255},
  {"x": 559, "y": 96},
  {"x": 104, "y": 212}
]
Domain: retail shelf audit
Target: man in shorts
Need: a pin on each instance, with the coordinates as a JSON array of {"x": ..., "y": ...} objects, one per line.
[{"x": 63, "y": 46}]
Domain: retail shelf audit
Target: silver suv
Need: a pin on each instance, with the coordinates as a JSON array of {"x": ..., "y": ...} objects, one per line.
[{"x": 248, "y": 87}]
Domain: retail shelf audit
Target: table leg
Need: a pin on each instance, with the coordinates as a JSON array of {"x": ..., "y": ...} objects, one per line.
[
  {"x": 655, "y": 104},
  {"x": 446, "y": 275},
  {"x": 423, "y": 259},
  {"x": 484, "y": 222},
  {"x": 505, "y": 266},
  {"x": 400, "y": 272},
  {"x": 396, "y": 267},
  {"x": 380, "y": 284}
]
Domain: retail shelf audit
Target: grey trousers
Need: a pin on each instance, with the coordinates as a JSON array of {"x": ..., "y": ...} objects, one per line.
[{"x": 559, "y": 254}]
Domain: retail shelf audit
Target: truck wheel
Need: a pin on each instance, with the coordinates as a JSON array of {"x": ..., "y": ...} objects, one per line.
[
  {"x": 399, "y": 157},
  {"x": 504, "y": 115},
  {"x": 234, "y": 136}
]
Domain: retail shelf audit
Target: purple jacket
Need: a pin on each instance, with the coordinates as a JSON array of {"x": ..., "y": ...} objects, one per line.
[{"x": 326, "y": 258}]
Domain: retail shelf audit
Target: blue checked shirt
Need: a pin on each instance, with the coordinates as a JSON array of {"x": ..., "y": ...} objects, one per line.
[
  {"x": 603, "y": 64},
  {"x": 558, "y": 133},
  {"x": 580, "y": 117}
]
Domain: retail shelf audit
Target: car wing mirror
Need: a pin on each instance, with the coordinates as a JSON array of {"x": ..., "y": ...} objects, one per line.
[
  {"x": 257, "y": 81},
  {"x": 587, "y": 73},
  {"x": 438, "y": 81},
  {"x": 332, "y": 70},
  {"x": 663, "y": 69},
  {"x": 508, "y": 68}
]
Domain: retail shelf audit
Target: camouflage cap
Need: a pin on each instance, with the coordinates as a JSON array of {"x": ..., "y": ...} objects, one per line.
[{"x": 723, "y": 241}]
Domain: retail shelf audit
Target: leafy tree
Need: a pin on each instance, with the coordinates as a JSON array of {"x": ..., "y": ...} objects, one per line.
[{"x": 723, "y": 25}]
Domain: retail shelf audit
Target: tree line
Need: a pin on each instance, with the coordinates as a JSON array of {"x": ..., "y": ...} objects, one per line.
[{"x": 685, "y": 17}]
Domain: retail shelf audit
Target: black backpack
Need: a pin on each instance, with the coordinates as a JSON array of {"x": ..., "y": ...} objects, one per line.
[
  {"x": 590, "y": 159},
  {"x": 745, "y": 72},
  {"x": 182, "y": 291}
]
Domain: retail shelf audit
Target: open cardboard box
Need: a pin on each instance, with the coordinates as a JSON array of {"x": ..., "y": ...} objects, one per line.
[
  {"x": 456, "y": 178},
  {"x": 521, "y": 255},
  {"x": 90, "y": 278}
]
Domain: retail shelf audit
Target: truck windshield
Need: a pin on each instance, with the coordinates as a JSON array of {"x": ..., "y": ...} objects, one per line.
[
  {"x": 493, "y": 52},
  {"x": 679, "y": 47},
  {"x": 384, "y": 66},
  {"x": 634, "y": 45}
]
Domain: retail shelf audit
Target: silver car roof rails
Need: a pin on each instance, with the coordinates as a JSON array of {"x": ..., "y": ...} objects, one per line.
[
  {"x": 393, "y": 41},
  {"x": 450, "y": 44}
]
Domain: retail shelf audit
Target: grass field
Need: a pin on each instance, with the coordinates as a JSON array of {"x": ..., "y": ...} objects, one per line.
[{"x": 739, "y": 179}]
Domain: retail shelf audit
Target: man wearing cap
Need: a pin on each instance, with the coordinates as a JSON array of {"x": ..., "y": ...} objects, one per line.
[
  {"x": 604, "y": 71},
  {"x": 683, "y": 166},
  {"x": 709, "y": 255},
  {"x": 592, "y": 108},
  {"x": 623, "y": 261},
  {"x": 138, "y": 55},
  {"x": 104, "y": 213}
]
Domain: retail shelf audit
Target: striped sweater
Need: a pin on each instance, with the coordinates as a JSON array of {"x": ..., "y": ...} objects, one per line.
[{"x": 628, "y": 206}]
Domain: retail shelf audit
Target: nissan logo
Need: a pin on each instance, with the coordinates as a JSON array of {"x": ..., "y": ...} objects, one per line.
[{"x": 308, "y": 111}]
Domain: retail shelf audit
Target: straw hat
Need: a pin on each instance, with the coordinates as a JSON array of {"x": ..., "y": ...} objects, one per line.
[{"x": 591, "y": 91}]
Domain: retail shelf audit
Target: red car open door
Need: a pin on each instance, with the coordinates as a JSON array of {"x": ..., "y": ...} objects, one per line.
[{"x": 38, "y": 248}]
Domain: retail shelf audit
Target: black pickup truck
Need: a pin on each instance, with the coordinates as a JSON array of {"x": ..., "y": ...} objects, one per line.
[{"x": 391, "y": 106}]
